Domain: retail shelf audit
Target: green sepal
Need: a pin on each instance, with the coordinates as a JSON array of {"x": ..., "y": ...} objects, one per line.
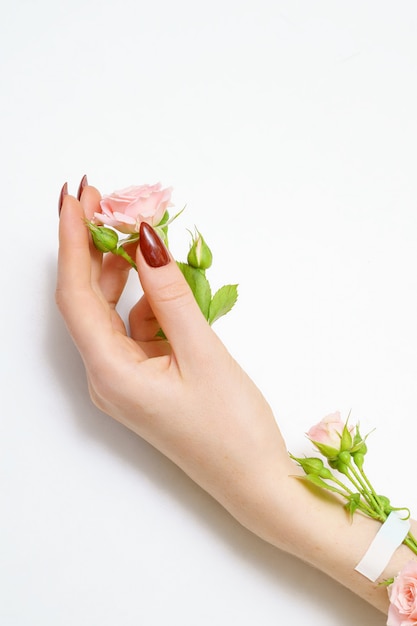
[
  {"x": 164, "y": 219},
  {"x": 346, "y": 439},
  {"x": 316, "y": 480},
  {"x": 328, "y": 451},
  {"x": 358, "y": 459},
  {"x": 353, "y": 503},
  {"x": 359, "y": 444},
  {"x": 162, "y": 228},
  {"x": 386, "y": 583},
  {"x": 199, "y": 285},
  {"x": 222, "y": 302}
]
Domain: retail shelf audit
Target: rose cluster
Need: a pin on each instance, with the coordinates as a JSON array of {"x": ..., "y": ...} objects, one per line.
[
  {"x": 344, "y": 449},
  {"x": 124, "y": 210}
]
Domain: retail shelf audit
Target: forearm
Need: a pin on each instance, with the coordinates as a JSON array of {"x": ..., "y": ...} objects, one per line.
[
  {"x": 255, "y": 480},
  {"x": 314, "y": 527},
  {"x": 191, "y": 400}
]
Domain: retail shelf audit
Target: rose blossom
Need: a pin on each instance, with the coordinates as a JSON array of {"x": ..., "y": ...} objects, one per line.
[
  {"x": 403, "y": 597},
  {"x": 329, "y": 430},
  {"x": 124, "y": 210}
]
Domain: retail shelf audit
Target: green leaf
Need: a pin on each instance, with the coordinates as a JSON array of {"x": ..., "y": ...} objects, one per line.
[
  {"x": 199, "y": 285},
  {"x": 160, "y": 334},
  {"x": 223, "y": 301}
]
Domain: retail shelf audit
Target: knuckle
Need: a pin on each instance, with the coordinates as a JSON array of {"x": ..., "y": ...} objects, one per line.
[{"x": 174, "y": 292}]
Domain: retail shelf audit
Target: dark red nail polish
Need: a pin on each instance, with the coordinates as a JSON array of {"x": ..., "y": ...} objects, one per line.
[
  {"x": 63, "y": 193},
  {"x": 152, "y": 247},
  {"x": 83, "y": 183}
]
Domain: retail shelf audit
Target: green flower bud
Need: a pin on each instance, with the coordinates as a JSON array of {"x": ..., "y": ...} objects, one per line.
[
  {"x": 105, "y": 239},
  {"x": 339, "y": 465},
  {"x": 344, "y": 457},
  {"x": 359, "y": 444},
  {"x": 357, "y": 439},
  {"x": 385, "y": 503},
  {"x": 343, "y": 468},
  {"x": 312, "y": 465},
  {"x": 358, "y": 458},
  {"x": 353, "y": 503},
  {"x": 199, "y": 255}
]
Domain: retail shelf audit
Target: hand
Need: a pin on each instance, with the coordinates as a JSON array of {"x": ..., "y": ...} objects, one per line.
[
  {"x": 187, "y": 397},
  {"x": 192, "y": 401}
]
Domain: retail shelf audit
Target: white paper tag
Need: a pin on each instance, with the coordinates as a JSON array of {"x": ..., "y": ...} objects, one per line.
[{"x": 389, "y": 537}]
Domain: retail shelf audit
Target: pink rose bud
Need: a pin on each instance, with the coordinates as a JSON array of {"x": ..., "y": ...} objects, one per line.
[
  {"x": 329, "y": 431},
  {"x": 199, "y": 255},
  {"x": 124, "y": 210}
]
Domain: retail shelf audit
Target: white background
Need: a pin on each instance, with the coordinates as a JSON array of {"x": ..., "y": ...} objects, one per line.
[{"x": 289, "y": 130}]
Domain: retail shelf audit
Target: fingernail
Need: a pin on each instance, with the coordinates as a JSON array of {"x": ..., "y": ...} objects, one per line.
[
  {"x": 63, "y": 193},
  {"x": 152, "y": 247},
  {"x": 83, "y": 183}
]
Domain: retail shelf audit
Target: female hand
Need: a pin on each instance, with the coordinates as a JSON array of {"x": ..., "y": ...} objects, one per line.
[
  {"x": 192, "y": 401},
  {"x": 187, "y": 397}
]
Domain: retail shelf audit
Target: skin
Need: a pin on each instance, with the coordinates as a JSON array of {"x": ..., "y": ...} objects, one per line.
[{"x": 193, "y": 402}]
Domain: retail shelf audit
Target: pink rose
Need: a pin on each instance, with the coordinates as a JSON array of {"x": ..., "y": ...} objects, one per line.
[
  {"x": 403, "y": 597},
  {"x": 124, "y": 210},
  {"x": 329, "y": 430}
]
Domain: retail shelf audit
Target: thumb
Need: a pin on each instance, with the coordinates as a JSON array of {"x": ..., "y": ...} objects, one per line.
[{"x": 170, "y": 297}]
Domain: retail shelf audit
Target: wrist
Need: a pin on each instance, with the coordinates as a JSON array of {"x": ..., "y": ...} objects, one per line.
[
  {"x": 313, "y": 526},
  {"x": 262, "y": 501}
]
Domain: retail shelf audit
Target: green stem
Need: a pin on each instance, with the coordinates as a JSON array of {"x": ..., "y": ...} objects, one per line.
[
  {"x": 341, "y": 484},
  {"x": 368, "y": 482},
  {"x": 363, "y": 506},
  {"x": 359, "y": 486},
  {"x": 411, "y": 543},
  {"x": 368, "y": 492},
  {"x": 411, "y": 536},
  {"x": 120, "y": 251},
  {"x": 346, "y": 491}
]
